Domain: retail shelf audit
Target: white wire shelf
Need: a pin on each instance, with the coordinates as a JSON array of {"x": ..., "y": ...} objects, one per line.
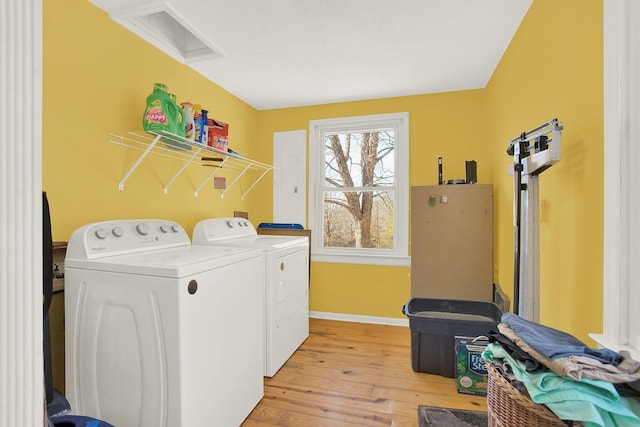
[{"x": 188, "y": 152}]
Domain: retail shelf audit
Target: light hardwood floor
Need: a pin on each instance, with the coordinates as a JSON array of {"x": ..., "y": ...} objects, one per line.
[{"x": 354, "y": 374}]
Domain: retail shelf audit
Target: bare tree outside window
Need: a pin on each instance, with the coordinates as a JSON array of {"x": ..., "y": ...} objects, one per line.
[{"x": 359, "y": 189}]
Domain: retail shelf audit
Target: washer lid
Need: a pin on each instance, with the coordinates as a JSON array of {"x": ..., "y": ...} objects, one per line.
[
  {"x": 172, "y": 263},
  {"x": 264, "y": 242}
]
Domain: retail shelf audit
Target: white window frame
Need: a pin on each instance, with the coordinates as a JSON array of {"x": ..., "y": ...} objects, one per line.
[
  {"x": 621, "y": 276},
  {"x": 399, "y": 256}
]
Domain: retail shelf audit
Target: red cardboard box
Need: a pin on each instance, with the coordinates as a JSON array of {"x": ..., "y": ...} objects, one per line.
[{"x": 218, "y": 135}]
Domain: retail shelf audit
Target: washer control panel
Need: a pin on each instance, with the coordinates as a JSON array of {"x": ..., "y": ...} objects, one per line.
[
  {"x": 213, "y": 229},
  {"x": 125, "y": 236}
]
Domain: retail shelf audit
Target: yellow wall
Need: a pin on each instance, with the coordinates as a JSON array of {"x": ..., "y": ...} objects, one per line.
[
  {"x": 553, "y": 68},
  {"x": 97, "y": 75},
  {"x": 450, "y": 125}
]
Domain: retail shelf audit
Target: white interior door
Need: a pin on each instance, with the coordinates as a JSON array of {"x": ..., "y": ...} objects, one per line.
[{"x": 290, "y": 177}]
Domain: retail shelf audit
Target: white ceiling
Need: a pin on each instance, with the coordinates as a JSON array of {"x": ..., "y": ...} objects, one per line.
[{"x": 286, "y": 53}]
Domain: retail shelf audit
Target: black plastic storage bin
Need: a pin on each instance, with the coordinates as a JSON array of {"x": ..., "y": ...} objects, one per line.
[{"x": 435, "y": 322}]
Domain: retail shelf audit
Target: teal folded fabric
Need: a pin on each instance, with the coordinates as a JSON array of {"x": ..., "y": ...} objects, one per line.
[{"x": 594, "y": 402}]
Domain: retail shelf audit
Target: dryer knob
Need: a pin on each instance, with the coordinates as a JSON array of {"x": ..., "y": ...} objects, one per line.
[
  {"x": 142, "y": 229},
  {"x": 175, "y": 228},
  {"x": 164, "y": 228},
  {"x": 101, "y": 233},
  {"x": 118, "y": 231},
  {"x": 230, "y": 224}
]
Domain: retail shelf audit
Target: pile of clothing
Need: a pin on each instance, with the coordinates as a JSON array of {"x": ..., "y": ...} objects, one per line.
[{"x": 598, "y": 387}]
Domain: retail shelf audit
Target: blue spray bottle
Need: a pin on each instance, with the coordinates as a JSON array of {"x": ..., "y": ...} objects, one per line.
[{"x": 204, "y": 127}]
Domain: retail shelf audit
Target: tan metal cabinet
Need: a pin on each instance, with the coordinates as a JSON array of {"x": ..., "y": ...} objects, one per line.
[{"x": 452, "y": 242}]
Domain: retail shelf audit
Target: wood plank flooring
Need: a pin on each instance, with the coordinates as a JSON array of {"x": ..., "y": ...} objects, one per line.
[{"x": 354, "y": 374}]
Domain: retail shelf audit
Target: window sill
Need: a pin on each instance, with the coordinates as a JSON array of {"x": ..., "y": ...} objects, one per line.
[
  {"x": 397, "y": 261},
  {"x": 603, "y": 342}
]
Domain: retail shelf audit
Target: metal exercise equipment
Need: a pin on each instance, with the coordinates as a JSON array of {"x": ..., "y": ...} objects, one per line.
[{"x": 533, "y": 152}]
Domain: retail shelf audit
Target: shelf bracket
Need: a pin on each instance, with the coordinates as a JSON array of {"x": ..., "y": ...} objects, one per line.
[
  {"x": 186, "y": 163},
  {"x": 235, "y": 180},
  {"x": 137, "y": 163},
  {"x": 215, "y": 170},
  {"x": 255, "y": 182},
  {"x": 179, "y": 148}
]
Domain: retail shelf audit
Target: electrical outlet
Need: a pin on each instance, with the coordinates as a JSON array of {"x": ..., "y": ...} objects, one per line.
[
  {"x": 58, "y": 270},
  {"x": 58, "y": 276},
  {"x": 59, "y": 252},
  {"x": 219, "y": 183}
]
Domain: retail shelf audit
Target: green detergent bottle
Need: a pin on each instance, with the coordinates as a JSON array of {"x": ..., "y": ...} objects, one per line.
[
  {"x": 162, "y": 113},
  {"x": 178, "y": 116}
]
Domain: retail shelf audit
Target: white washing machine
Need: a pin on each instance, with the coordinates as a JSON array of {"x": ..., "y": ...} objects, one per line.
[
  {"x": 286, "y": 287},
  {"x": 160, "y": 333}
]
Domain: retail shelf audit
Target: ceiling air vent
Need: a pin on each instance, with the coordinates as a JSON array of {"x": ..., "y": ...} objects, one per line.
[{"x": 164, "y": 27}]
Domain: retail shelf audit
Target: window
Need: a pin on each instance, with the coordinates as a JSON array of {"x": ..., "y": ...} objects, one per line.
[{"x": 358, "y": 193}]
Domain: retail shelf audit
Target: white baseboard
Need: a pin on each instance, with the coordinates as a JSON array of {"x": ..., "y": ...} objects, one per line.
[{"x": 359, "y": 318}]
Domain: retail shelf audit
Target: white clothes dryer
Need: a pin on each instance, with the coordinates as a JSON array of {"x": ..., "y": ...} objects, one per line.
[
  {"x": 160, "y": 333},
  {"x": 286, "y": 282}
]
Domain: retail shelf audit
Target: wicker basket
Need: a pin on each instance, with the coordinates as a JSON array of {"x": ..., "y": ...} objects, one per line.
[{"x": 508, "y": 407}]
